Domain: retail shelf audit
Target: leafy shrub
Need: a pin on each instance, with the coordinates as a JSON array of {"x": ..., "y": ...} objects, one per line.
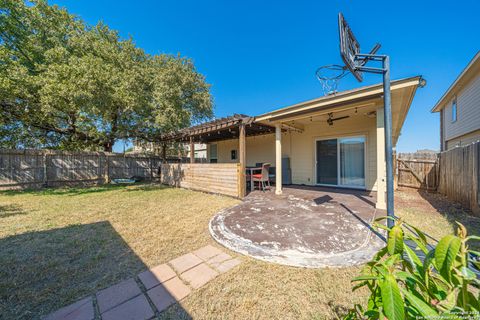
[{"x": 420, "y": 283}]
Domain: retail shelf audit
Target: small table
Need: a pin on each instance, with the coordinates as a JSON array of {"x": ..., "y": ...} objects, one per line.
[{"x": 250, "y": 171}]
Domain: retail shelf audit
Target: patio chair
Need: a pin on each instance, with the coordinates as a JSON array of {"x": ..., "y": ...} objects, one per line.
[{"x": 262, "y": 177}]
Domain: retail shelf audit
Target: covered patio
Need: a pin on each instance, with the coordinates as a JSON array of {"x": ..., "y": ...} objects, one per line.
[
  {"x": 305, "y": 227},
  {"x": 335, "y": 140}
]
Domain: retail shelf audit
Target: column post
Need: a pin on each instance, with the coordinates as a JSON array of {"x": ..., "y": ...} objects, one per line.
[
  {"x": 278, "y": 158},
  {"x": 192, "y": 150},
  {"x": 381, "y": 163},
  {"x": 242, "y": 159}
]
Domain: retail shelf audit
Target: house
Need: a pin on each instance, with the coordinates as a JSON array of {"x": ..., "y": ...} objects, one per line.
[
  {"x": 459, "y": 108},
  {"x": 200, "y": 149},
  {"x": 335, "y": 140}
]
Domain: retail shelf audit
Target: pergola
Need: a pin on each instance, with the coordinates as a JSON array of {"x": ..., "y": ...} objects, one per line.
[{"x": 237, "y": 126}]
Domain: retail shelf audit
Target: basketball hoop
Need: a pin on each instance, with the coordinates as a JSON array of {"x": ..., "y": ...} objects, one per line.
[{"x": 329, "y": 76}]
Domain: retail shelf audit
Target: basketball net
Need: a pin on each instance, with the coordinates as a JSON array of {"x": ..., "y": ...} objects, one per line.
[{"x": 329, "y": 77}]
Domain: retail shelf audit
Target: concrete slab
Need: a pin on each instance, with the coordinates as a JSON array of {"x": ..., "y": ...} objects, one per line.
[
  {"x": 80, "y": 310},
  {"x": 177, "y": 288},
  {"x": 199, "y": 275},
  {"x": 117, "y": 294},
  {"x": 305, "y": 226},
  {"x": 156, "y": 275},
  {"x": 218, "y": 259},
  {"x": 185, "y": 262},
  {"x": 228, "y": 265},
  {"x": 137, "y": 308},
  {"x": 160, "y": 297},
  {"x": 207, "y": 252}
]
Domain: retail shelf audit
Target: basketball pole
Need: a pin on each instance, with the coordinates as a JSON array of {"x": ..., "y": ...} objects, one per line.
[{"x": 387, "y": 117}]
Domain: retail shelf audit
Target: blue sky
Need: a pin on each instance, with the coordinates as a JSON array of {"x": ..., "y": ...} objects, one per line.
[{"x": 262, "y": 55}]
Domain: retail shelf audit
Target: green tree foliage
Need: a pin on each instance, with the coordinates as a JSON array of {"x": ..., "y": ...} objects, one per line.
[
  {"x": 66, "y": 84},
  {"x": 404, "y": 286}
]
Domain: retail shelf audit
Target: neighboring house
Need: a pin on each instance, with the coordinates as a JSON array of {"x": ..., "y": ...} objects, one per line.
[
  {"x": 200, "y": 149},
  {"x": 459, "y": 108},
  {"x": 335, "y": 140}
]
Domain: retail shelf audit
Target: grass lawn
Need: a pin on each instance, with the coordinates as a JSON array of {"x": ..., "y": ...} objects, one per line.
[{"x": 57, "y": 246}]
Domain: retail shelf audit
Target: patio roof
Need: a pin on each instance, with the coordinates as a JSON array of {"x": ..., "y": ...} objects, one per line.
[{"x": 220, "y": 129}]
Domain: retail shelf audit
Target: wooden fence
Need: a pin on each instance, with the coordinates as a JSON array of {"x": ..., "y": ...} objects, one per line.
[
  {"x": 417, "y": 170},
  {"x": 221, "y": 178},
  {"x": 459, "y": 176},
  {"x": 44, "y": 168},
  {"x": 453, "y": 173}
]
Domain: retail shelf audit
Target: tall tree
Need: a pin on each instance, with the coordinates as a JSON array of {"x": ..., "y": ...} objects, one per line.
[{"x": 83, "y": 87}]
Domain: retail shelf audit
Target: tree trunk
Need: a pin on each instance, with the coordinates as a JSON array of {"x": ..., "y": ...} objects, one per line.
[{"x": 108, "y": 146}]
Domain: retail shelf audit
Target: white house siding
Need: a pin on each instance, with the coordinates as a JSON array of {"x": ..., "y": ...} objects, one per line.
[{"x": 468, "y": 113}]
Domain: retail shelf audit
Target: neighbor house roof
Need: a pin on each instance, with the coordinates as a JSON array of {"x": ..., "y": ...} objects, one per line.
[{"x": 471, "y": 70}]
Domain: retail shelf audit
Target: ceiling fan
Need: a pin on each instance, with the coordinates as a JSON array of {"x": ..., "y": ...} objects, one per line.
[{"x": 331, "y": 118}]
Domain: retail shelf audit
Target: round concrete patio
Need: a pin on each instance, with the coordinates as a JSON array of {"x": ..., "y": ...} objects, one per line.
[{"x": 303, "y": 227}]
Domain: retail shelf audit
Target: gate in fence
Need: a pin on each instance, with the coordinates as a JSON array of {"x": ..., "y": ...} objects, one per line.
[{"x": 418, "y": 170}]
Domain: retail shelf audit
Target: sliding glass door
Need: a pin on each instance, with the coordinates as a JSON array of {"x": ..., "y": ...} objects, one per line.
[
  {"x": 341, "y": 162},
  {"x": 327, "y": 154}
]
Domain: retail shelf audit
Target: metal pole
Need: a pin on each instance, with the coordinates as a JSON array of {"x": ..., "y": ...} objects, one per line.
[{"x": 387, "y": 102}]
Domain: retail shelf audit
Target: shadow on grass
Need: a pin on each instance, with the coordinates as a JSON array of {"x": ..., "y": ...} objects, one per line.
[
  {"x": 453, "y": 212},
  {"x": 75, "y": 191},
  {"x": 47, "y": 270},
  {"x": 10, "y": 210}
]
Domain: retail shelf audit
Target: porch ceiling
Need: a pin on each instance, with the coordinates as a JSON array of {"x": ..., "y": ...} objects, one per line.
[{"x": 358, "y": 101}]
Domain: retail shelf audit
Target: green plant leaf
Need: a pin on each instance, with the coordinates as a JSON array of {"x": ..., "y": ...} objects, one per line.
[
  {"x": 445, "y": 254},
  {"x": 467, "y": 274},
  {"x": 395, "y": 240},
  {"x": 365, "y": 277},
  {"x": 421, "y": 235},
  {"x": 413, "y": 258},
  {"x": 473, "y": 302},
  {"x": 359, "y": 285},
  {"x": 473, "y": 238},
  {"x": 391, "y": 298},
  {"x": 420, "y": 305},
  {"x": 448, "y": 303}
]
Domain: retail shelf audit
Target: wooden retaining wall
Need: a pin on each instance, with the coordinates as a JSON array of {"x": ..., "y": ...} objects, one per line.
[
  {"x": 459, "y": 176},
  {"x": 221, "y": 178},
  {"x": 46, "y": 168}
]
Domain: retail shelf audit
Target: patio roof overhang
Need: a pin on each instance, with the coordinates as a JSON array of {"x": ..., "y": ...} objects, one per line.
[
  {"x": 403, "y": 91},
  {"x": 220, "y": 129}
]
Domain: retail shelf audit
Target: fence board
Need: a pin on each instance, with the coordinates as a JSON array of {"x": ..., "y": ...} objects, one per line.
[
  {"x": 219, "y": 178},
  {"x": 459, "y": 175},
  {"x": 417, "y": 170},
  {"x": 37, "y": 168}
]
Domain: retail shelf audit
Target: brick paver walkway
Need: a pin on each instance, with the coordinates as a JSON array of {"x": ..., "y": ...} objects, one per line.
[{"x": 153, "y": 290}]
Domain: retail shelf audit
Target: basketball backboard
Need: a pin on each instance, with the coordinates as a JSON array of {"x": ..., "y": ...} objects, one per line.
[{"x": 349, "y": 47}]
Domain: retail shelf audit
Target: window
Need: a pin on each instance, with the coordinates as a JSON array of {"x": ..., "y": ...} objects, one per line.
[
  {"x": 454, "y": 110},
  {"x": 233, "y": 155},
  {"x": 213, "y": 153}
]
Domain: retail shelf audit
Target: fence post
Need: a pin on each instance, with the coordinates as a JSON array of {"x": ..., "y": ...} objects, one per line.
[
  {"x": 476, "y": 177},
  {"x": 107, "y": 168},
  {"x": 45, "y": 177},
  {"x": 151, "y": 169}
]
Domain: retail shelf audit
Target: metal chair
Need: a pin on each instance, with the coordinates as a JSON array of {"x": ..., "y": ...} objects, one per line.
[{"x": 262, "y": 177}]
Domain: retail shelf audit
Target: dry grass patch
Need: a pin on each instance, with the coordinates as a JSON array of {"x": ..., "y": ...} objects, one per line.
[
  {"x": 57, "y": 246},
  {"x": 434, "y": 214}
]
